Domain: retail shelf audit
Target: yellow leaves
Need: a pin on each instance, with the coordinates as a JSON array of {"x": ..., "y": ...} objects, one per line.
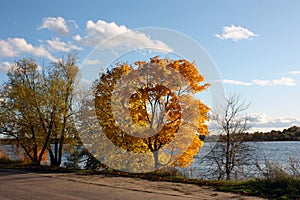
[
  {"x": 38, "y": 104},
  {"x": 190, "y": 73},
  {"x": 185, "y": 159},
  {"x": 126, "y": 69},
  {"x": 145, "y": 108}
]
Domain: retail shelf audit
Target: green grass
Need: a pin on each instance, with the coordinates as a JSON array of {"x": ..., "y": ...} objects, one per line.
[{"x": 279, "y": 188}]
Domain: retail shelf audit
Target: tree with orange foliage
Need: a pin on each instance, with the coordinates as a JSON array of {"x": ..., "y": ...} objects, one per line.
[
  {"x": 44, "y": 158},
  {"x": 150, "y": 107}
]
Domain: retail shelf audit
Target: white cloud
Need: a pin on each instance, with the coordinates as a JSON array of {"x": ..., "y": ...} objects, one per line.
[
  {"x": 77, "y": 38},
  {"x": 57, "y": 24},
  {"x": 284, "y": 81},
  {"x": 235, "y": 82},
  {"x": 294, "y": 72},
  {"x": 235, "y": 33},
  {"x": 97, "y": 32},
  {"x": 6, "y": 49},
  {"x": 5, "y": 66},
  {"x": 105, "y": 29},
  {"x": 263, "y": 122},
  {"x": 58, "y": 45},
  {"x": 91, "y": 62},
  {"x": 12, "y": 47},
  {"x": 261, "y": 82}
]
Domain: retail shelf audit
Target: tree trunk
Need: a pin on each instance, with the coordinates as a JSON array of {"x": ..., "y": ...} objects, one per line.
[
  {"x": 156, "y": 162},
  {"x": 55, "y": 158},
  {"x": 227, "y": 162}
]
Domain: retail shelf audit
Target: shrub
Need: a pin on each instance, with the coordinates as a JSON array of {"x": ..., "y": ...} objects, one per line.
[{"x": 278, "y": 183}]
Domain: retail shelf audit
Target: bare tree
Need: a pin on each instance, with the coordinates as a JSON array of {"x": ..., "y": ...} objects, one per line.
[{"x": 230, "y": 154}]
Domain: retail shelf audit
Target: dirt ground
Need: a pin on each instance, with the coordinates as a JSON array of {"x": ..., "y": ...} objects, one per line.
[
  {"x": 16, "y": 184},
  {"x": 167, "y": 189}
]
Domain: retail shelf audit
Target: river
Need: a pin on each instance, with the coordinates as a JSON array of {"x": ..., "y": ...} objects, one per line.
[
  {"x": 278, "y": 152},
  {"x": 274, "y": 152}
]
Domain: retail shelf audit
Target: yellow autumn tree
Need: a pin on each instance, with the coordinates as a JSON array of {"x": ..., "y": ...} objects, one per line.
[{"x": 150, "y": 108}]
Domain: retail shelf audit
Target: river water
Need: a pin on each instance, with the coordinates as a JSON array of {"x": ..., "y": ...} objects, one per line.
[
  {"x": 274, "y": 152},
  {"x": 278, "y": 152}
]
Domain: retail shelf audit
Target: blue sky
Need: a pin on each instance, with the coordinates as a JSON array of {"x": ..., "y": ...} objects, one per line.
[{"x": 254, "y": 44}]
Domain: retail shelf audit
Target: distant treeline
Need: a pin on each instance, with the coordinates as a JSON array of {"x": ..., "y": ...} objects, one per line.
[{"x": 290, "y": 134}]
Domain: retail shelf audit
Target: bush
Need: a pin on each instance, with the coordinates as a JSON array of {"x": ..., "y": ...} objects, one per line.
[
  {"x": 283, "y": 188},
  {"x": 272, "y": 171},
  {"x": 275, "y": 183}
]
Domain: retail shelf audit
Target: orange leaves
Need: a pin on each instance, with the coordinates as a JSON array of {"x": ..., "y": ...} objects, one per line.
[
  {"x": 138, "y": 112},
  {"x": 190, "y": 73},
  {"x": 38, "y": 153},
  {"x": 185, "y": 159},
  {"x": 144, "y": 108}
]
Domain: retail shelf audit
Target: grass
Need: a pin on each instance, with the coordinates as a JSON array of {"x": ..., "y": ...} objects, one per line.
[{"x": 279, "y": 188}]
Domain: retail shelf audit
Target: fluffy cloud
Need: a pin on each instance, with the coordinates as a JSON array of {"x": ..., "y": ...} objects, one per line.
[
  {"x": 58, "y": 45},
  {"x": 97, "y": 32},
  {"x": 263, "y": 122},
  {"x": 57, "y": 24},
  {"x": 235, "y": 33},
  {"x": 6, "y": 49},
  {"x": 284, "y": 81},
  {"x": 12, "y": 47}
]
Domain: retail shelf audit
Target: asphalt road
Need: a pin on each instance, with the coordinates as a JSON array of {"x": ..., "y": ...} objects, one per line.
[
  {"x": 21, "y": 185},
  {"x": 17, "y": 185}
]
